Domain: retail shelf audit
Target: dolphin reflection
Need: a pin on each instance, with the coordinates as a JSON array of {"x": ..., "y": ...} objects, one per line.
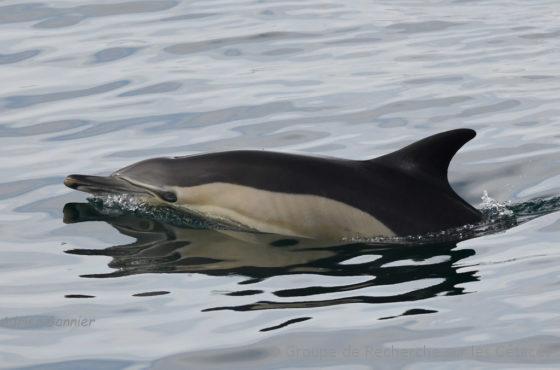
[{"x": 163, "y": 248}]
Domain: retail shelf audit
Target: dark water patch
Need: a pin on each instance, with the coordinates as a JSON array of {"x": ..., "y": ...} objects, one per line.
[
  {"x": 251, "y": 281},
  {"x": 316, "y": 290},
  {"x": 158, "y": 88},
  {"x": 232, "y": 52},
  {"x": 24, "y": 101},
  {"x": 78, "y": 296},
  {"x": 18, "y": 57},
  {"x": 414, "y": 311},
  {"x": 286, "y": 323},
  {"x": 187, "y": 17},
  {"x": 112, "y": 54},
  {"x": 242, "y": 293},
  {"x": 151, "y": 294}
]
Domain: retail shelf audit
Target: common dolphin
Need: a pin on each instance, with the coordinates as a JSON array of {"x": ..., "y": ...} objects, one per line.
[{"x": 405, "y": 192}]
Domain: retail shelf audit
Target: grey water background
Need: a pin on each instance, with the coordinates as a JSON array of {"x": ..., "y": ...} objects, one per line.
[{"x": 88, "y": 87}]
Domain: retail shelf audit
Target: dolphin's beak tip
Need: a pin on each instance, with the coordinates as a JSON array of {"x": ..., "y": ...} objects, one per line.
[{"x": 71, "y": 181}]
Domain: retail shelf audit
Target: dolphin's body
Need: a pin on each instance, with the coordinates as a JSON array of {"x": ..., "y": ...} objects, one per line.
[{"x": 402, "y": 193}]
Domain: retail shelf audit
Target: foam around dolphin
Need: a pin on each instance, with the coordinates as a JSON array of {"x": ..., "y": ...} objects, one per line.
[{"x": 402, "y": 193}]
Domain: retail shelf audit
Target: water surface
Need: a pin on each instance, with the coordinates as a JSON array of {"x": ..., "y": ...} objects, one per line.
[{"x": 89, "y": 87}]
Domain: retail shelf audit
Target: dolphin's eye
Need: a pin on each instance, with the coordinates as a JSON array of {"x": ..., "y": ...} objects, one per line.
[{"x": 169, "y": 197}]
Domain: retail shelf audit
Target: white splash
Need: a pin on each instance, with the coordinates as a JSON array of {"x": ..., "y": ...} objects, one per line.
[
  {"x": 117, "y": 204},
  {"x": 494, "y": 209}
]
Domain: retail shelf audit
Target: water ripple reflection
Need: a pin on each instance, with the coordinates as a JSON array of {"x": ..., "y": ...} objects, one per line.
[{"x": 413, "y": 272}]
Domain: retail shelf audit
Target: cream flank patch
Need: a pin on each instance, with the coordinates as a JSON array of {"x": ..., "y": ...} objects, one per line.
[{"x": 301, "y": 215}]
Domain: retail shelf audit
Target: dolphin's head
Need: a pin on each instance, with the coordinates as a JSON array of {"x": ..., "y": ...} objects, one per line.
[{"x": 152, "y": 179}]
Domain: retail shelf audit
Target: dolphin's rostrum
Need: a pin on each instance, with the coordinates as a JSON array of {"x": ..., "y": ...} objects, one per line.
[{"x": 402, "y": 193}]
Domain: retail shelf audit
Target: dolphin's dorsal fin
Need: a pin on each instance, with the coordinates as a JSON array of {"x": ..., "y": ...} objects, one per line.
[{"x": 429, "y": 158}]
